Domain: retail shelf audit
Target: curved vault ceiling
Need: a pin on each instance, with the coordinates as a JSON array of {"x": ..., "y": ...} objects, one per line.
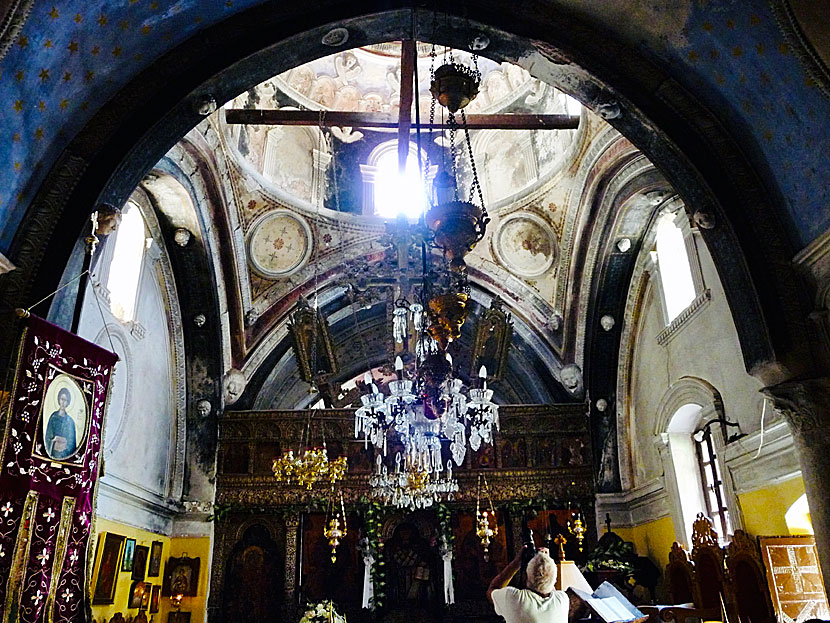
[{"x": 283, "y": 208}]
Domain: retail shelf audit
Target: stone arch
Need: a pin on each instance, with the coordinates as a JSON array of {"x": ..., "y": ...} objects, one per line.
[
  {"x": 684, "y": 391},
  {"x": 704, "y": 162}
]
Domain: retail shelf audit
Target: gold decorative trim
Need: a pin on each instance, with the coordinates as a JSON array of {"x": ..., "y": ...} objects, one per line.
[
  {"x": 304, "y": 322},
  {"x": 65, "y": 525},
  {"x": 495, "y": 324},
  {"x": 21, "y": 558},
  {"x": 10, "y": 406}
]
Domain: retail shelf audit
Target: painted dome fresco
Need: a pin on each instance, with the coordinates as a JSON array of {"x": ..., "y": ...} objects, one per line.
[{"x": 283, "y": 158}]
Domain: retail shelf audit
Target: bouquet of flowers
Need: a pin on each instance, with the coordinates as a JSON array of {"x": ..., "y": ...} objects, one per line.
[{"x": 323, "y": 612}]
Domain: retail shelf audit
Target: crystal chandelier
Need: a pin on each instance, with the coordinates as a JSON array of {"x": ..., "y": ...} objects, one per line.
[
  {"x": 411, "y": 487},
  {"x": 427, "y": 404}
]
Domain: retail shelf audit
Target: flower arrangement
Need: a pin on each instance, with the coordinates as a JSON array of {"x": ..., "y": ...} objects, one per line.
[{"x": 322, "y": 612}]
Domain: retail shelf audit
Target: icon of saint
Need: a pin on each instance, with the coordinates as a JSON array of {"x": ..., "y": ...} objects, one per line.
[{"x": 60, "y": 439}]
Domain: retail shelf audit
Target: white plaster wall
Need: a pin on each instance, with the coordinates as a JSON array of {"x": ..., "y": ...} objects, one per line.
[
  {"x": 140, "y": 428},
  {"x": 706, "y": 348}
]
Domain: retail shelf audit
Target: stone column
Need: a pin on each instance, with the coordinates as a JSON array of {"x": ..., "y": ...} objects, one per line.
[
  {"x": 292, "y": 525},
  {"x": 806, "y": 407}
]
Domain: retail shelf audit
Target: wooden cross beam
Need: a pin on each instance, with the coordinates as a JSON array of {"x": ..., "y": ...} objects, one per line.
[
  {"x": 408, "y": 60},
  {"x": 349, "y": 119},
  {"x": 403, "y": 123}
]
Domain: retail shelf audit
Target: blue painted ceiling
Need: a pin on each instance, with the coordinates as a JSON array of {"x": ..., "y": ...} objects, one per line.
[{"x": 73, "y": 55}]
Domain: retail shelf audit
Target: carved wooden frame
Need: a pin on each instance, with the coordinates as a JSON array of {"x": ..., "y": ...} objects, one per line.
[
  {"x": 493, "y": 317},
  {"x": 303, "y": 316}
]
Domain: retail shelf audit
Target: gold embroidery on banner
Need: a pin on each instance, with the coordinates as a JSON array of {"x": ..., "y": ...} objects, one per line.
[
  {"x": 11, "y": 400},
  {"x": 21, "y": 558},
  {"x": 67, "y": 509}
]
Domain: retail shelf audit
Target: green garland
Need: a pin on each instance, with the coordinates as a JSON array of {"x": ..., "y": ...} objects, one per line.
[
  {"x": 374, "y": 524},
  {"x": 445, "y": 524}
]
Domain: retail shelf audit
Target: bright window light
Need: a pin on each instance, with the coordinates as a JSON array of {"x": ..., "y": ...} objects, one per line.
[
  {"x": 572, "y": 106},
  {"x": 397, "y": 194},
  {"x": 125, "y": 268},
  {"x": 673, "y": 263}
]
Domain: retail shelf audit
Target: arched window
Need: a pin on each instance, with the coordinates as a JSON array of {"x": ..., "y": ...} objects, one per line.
[
  {"x": 387, "y": 193},
  {"x": 125, "y": 268},
  {"x": 714, "y": 493},
  {"x": 675, "y": 267},
  {"x": 690, "y": 444}
]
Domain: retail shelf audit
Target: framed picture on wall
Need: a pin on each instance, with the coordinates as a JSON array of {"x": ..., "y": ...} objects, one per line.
[
  {"x": 108, "y": 564},
  {"x": 129, "y": 552},
  {"x": 181, "y": 577},
  {"x": 154, "y": 600},
  {"x": 154, "y": 568},
  {"x": 794, "y": 577},
  {"x": 145, "y": 597},
  {"x": 142, "y": 552},
  {"x": 137, "y": 593}
]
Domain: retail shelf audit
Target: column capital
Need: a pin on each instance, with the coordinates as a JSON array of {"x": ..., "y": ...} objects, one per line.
[
  {"x": 804, "y": 403},
  {"x": 292, "y": 520}
]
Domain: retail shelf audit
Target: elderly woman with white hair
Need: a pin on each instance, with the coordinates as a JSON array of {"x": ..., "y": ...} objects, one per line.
[{"x": 539, "y": 602}]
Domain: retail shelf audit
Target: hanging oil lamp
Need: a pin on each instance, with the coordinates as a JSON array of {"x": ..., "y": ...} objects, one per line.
[
  {"x": 455, "y": 85},
  {"x": 576, "y": 526},
  {"x": 456, "y": 224},
  {"x": 335, "y": 529},
  {"x": 484, "y": 530}
]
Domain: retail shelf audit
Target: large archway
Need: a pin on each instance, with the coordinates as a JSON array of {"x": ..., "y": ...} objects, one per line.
[{"x": 130, "y": 134}]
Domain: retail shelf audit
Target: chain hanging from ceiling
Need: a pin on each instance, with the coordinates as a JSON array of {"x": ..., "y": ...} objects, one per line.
[
  {"x": 311, "y": 465},
  {"x": 427, "y": 404}
]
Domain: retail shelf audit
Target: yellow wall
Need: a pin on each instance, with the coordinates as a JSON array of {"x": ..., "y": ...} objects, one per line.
[
  {"x": 175, "y": 546},
  {"x": 194, "y": 547},
  {"x": 653, "y": 539},
  {"x": 764, "y": 509},
  {"x": 122, "y": 588}
]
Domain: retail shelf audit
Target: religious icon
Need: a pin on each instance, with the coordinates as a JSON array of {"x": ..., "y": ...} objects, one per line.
[
  {"x": 181, "y": 577},
  {"x": 145, "y": 596},
  {"x": 64, "y": 428},
  {"x": 154, "y": 600},
  {"x": 142, "y": 552},
  {"x": 137, "y": 592},
  {"x": 129, "y": 552},
  {"x": 155, "y": 559},
  {"x": 492, "y": 341},
  {"x": 107, "y": 568}
]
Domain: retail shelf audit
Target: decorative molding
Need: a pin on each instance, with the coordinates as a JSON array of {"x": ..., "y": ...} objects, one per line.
[
  {"x": 685, "y": 317},
  {"x": 12, "y": 23},
  {"x": 609, "y": 208},
  {"x": 635, "y": 507},
  {"x": 777, "y": 461},
  {"x": 167, "y": 281},
  {"x": 814, "y": 254},
  {"x": 809, "y": 59},
  {"x": 116, "y": 501}
]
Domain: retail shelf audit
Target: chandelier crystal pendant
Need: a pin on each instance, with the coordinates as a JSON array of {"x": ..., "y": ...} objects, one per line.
[
  {"x": 372, "y": 419},
  {"x": 409, "y": 487},
  {"x": 482, "y": 413}
]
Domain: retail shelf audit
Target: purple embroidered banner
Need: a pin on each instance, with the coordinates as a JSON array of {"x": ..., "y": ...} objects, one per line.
[{"x": 50, "y": 460}]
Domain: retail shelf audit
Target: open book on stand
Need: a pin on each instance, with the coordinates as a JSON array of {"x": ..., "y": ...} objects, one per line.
[{"x": 610, "y": 605}]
